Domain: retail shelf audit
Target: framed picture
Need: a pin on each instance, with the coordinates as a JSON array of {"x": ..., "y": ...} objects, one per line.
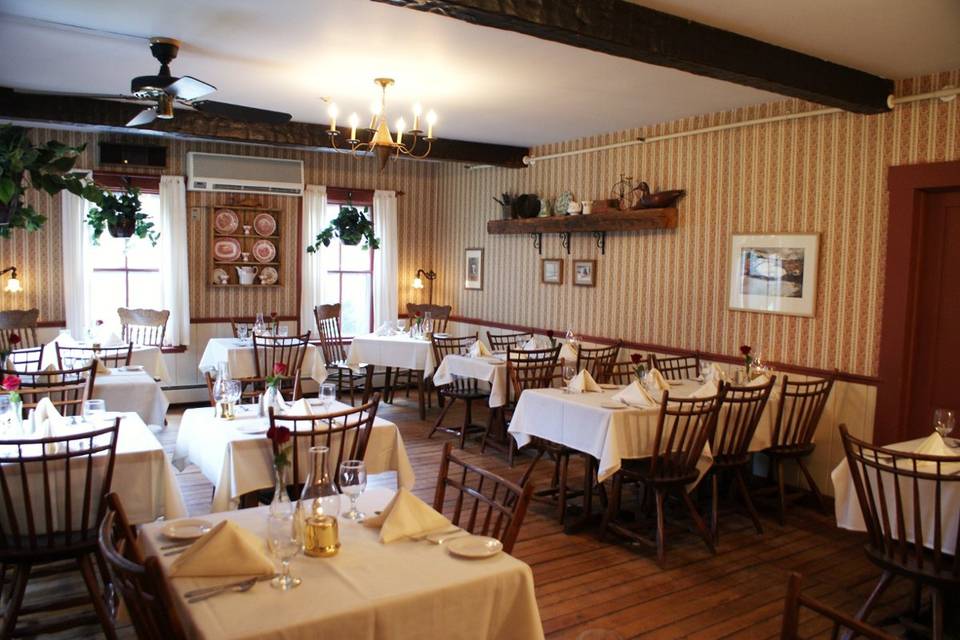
[
  {"x": 473, "y": 272},
  {"x": 585, "y": 273},
  {"x": 774, "y": 273},
  {"x": 551, "y": 271}
]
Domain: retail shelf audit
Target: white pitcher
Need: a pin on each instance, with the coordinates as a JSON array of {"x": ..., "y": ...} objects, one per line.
[{"x": 247, "y": 274}]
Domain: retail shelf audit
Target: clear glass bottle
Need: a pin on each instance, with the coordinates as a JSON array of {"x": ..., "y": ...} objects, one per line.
[
  {"x": 319, "y": 496},
  {"x": 258, "y": 325}
]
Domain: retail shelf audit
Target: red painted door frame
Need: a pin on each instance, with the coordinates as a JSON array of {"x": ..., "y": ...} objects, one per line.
[{"x": 908, "y": 187}]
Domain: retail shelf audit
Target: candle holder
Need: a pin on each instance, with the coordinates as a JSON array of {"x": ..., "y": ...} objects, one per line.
[{"x": 321, "y": 537}]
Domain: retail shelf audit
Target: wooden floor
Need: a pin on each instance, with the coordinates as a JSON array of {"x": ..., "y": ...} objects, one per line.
[{"x": 582, "y": 583}]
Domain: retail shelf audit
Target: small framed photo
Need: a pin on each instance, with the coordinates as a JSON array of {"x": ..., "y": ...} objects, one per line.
[
  {"x": 473, "y": 271},
  {"x": 551, "y": 271},
  {"x": 585, "y": 273},
  {"x": 774, "y": 273}
]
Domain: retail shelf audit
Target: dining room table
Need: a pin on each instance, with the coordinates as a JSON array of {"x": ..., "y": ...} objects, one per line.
[
  {"x": 147, "y": 357},
  {"x": 237, "y": 457},
  {"x": 132, "y": 389},
  {"x": 403, "y": 590},
  {"x": 397, "y": 350},
  {"x": 241, "y": 361}
]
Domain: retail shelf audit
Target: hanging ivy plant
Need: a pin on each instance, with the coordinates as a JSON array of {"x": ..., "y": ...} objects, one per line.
[
  {"x": 122, "y": 217},
  {"x": 351, "y": 226}
]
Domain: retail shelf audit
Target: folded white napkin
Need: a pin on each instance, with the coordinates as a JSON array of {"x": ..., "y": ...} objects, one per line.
[
  {"x": 406, "y": 515},
  {"x": 705, "y": 391},
  {"x": 107, "y": 338},
  {"x": 45, "y": 418},
  {"x": 759, "y": 381},
  {"x": 479, "y": 350},
  {"x": 568, "y": 354},
  {"x": 386, "y": 329},
  {"x": 226, "y": 550},
  {"x": 583, "y": 382},
  {"x": 714, "y": 373},
  {"x": 531, "y": 345},
  {"x": 65, "y": 340},
  {"x": 933, "y": 445},
  {"x": 302, "y": 408},
  {"x": 635, "y": 395},
  {"x": 657, "y": 380}
]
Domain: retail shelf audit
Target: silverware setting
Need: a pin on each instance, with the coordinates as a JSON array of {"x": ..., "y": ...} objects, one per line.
[
  {"x": 177, "y": 545},
  {"x": 197, "y": 595},
  {"x": 434, "y": 532}
]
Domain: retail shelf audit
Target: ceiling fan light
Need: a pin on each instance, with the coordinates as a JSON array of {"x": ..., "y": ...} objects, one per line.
[{"x": 165, "y": 107}]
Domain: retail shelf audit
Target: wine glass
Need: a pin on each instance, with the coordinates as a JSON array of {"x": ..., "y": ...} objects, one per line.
[
  {"x": 353, "y": 481},
  {"x": 943, "y": 421},
  {"x": 705, "y": 370},
  {"x": 242, "y": 331},
  {"x": 94, "y": 410},
  {"x": 401, "y": 325},
  {"x": 284, "y": 541},
  {"x": 232, "y": 392},
  {"x": 283, "y": 331},
  {"x": 328, "y": 394},
  {"x": 568, "y": 373}
]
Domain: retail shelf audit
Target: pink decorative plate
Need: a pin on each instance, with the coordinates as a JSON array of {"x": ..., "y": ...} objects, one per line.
[
  {"x": 226, "y": 249},
  {"x": 226, "y": 221},
  {"x": 265, "y": 224},
  {"x": 264, "y": 251}
]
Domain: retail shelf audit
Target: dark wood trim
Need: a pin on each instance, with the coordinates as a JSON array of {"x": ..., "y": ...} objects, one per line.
[
  {"x": 115, "y": 180},
  {"x": 52, "y": 324},
  {"x": 33, "y": 109},
  {"x": 227, "y": 320},
  {"x": 174, "y": 349},
  {"x": 855, "y": 378},
  {"x": 628, "y": 30},
  {"x": 641, "y": 220},
  {"x": 341, "y": 195},
  {"x": 908, "y": 186}
]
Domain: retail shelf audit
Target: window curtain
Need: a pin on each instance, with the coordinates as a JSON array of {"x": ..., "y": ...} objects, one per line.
[
  {"x": 314, "y": 272},
  {"x": 77, "y": 267},
  {"x": 385, "y": 261},
  {"x": 174, "y": 266}
]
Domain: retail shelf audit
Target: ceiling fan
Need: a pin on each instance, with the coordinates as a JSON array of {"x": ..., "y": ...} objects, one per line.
[{"x": 164, "y": 90}]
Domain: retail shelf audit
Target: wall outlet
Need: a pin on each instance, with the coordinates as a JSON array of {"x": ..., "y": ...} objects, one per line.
[{"x": 194, "y": 213}]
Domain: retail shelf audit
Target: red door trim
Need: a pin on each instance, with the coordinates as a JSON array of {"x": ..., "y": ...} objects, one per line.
[{"x": 908, "y": 186}]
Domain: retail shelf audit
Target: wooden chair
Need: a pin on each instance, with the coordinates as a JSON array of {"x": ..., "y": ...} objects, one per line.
[
  {"x": 269, "y": 351},
  {"x": 344, "y": 432},
  {"x": 789, "y": 629},
  {"x": 801, "y": 405},
  {"x": 54, "y": 501},
  {"x": 504, "y": 341},
  {"x": 485, "y": 504},
  {"x": 895, "y": 517},
  {"x": 27, "y": 360},
  {"x": 235, "y": 324},
  {"x": 147, "y": 327},
  {"x": 68, "y": 357},
  {"x": 740, "y": 411},
  {"x": 465, "y": 389},
  {"x": 440, "y": 314},
  {"x": 66, "y": 389},
  {"x": 676, "y": 368},
  {"x": 684, "y": 427},
  {"x": 250, "y": 388},
  {"x": 139, "y": 581},
  {"x": 23, "y": 324},
  {"x": 334, "y": 353},
  {"x": 624, "y": 371},
  {"x": 598, "y": 361}
]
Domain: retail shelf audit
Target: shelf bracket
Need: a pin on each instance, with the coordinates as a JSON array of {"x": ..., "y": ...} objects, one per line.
[
  {"x": 565, "y": 241},
  {"x": 601, "y": 238},
  {"x": 537, "y": 242}
]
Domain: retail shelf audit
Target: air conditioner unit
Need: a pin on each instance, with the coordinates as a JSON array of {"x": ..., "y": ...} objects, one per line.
[{"x": 244, "y": 174}]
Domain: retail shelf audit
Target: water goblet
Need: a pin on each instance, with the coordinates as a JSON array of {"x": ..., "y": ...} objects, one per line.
[
  {"x": 353, "y": 482},
  {"x": 94, "y": 410},
  {"x": 242, "y": 331},
  {"x": 943, "y": 421},
  {"x": 568, "y": 373},
  {"x": 328, "y": 394},
  {"x": 233, "y": 390},
  {"x": 284, "y": 542}
]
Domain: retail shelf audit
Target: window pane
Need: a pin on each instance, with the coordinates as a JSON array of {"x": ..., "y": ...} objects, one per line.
[
  {"x": 144, "y": 287},
  {"x": 108, "y": 291},
  {"x": 140, "y": 253},
  {"x": 356, "y": 304},
  {"x": 330, "y": 289},
  {"x": 109, "y": 253},
  {"x": 354, "y": 258}
]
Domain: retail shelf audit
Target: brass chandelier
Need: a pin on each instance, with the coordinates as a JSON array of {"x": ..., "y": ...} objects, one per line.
[{"x": 382, "y": 143}]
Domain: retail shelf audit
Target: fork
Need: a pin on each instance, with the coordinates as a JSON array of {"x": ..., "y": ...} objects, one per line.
[{"x": 237, "y": 587}]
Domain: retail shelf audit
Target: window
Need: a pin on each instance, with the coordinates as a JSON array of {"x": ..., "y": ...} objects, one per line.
[{"x": 348, "y": 279}]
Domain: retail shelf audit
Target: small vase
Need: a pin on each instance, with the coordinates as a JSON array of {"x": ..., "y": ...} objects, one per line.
[
  {"x": 281, "y": 504},
  {"x": 268, "y": 399}
]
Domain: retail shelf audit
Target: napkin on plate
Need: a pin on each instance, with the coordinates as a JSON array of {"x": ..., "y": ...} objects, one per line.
[
  {"x": 479, "y": 350},
  {"x": 933, "y": 445},
  {"x": 406, "y": 515},
  {"x": 706, "y": 390},
  {"x": 225, "y": 550},
  {"x": 583, "y": 382},
  {"x": 657, "y": 380},
  {"x": 635, "y": 395}
]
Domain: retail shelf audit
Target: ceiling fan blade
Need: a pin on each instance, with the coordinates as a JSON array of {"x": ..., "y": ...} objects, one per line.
[
  {"x": 144, "y": 117},
  {"x": 188, "y": 88},
  {"x": 238, "y": 112}
]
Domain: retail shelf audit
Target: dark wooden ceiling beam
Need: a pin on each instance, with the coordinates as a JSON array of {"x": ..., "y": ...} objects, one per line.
[
  {"x": 628, "y": 30},
  {"x": 107, "y": 115}
]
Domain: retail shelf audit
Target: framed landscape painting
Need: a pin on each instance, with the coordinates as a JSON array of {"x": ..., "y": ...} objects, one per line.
[
  {"x": 473, "y": 272},
  {"x": 774, "y": 273},
  {"x": 551, "y": 270},
  {"x": 584, "y": 273}
]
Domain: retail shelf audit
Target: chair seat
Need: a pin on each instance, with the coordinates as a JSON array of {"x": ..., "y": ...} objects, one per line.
[
  {"x": 726, "y": 461},
  {"x": 944, "y": 578},
  {"x": 790, "y": 450},
  {"x": 463, "y": 394},
  {"x": 48, "y": 550},
  {"x": 669, "y": 472}
]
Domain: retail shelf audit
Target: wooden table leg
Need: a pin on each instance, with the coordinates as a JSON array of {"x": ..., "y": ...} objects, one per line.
[
  {"x": 367, "y": 384},
  {"x": 421, "y": 394},
  {"x": 385, "y": 396}
]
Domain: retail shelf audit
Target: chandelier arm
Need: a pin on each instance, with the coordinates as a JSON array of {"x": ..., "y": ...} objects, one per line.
[{"x": 425, "y": 153}]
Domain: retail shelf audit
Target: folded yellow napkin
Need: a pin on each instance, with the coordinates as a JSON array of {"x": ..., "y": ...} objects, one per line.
[
  {"x": 479, "y": 350},
  {"x": 635, "y": 395},
  {"x": 406, "y": 515},
  {"x": 226, "y": 550},
  {"x": 657, "y": 380},
  {"x": 302, "y": 408},
  {"x": 45, "y": 418},
  {"x": 568, "y": 354},
  {"x": 583, "y": 382},
  {"x": 933, "y": 445},
  {"x": 101, "y": 368}
]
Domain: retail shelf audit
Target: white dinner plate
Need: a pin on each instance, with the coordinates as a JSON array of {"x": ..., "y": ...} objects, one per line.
[
  {"x": 475, "y": 547},
  {"x": 132, "y": 367},
  {"x": 186, "y": 528},
  {"x": 613, "y": 405}
]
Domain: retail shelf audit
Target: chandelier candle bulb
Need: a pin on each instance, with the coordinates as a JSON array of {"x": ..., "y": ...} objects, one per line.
[
  {"x": 431, "y": 120},
  {"x": 332, "y": 111},
  {"x": 401, "y": 126},
  {"x": 354, "y": 121},
  {"x": 417, "y": 111}
]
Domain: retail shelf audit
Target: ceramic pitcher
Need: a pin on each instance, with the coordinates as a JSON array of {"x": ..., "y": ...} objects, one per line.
[{"x": 247, "y": 274}]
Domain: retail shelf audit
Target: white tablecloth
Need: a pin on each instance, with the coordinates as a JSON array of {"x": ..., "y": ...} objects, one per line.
[
  {"x": 578, "y": 421},
  {"x": 150, "y": 358},
  {"x": 241, "y": 364},
  {"x": 134, "y": 391},
  {"x": 398, "y": 351},
  {"x": 404, "y": 590},
  {"x": 490, "y": 369},
  {"x": 849, "y": 515},
  {"x": 237, "y": 462},
  {"x": 142, "y": 475}
]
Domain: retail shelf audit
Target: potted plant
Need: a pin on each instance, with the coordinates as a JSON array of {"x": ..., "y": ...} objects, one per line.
[
  {"x": 351, "y": 226},
  {"x": 121, "y": 216},
  {"x": 46, "y": 168}
]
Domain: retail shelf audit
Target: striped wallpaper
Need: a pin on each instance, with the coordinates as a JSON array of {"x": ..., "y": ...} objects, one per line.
[{"x": 824, "y": 174}]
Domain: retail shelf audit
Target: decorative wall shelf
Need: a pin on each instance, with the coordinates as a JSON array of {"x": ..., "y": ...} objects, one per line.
[{"x": 596, "y": 223}]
